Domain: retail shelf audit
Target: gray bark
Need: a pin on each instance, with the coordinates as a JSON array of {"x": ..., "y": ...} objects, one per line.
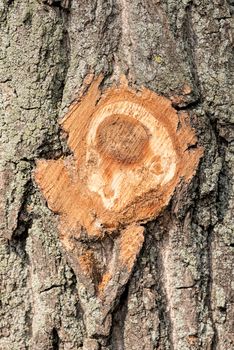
[{"x": 180, "y": 295}]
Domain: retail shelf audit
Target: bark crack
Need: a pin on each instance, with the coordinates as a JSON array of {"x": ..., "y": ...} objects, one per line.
[
  {"x": 127, "y": 40},
  {"x": 55, "y": 339},
  {"x": 215, "y": 339},
  {"x": 51, "y": 287},
  {"x": 189, "y": 39}
]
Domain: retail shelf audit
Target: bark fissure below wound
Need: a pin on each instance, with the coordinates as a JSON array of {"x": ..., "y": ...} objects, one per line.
[{"x": 128, "y": 156}]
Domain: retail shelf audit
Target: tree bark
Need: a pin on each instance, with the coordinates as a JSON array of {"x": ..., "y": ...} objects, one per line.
[{"x": 180, "y": 294}]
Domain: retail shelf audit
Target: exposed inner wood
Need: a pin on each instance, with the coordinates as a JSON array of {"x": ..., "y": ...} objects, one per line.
[
  {"x": 130, "y": 245},
  {"x": 123, "y": 139},
  {"x": 130, "y": 152}
]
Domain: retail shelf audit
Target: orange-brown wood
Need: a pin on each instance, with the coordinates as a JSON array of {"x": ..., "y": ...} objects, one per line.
[{"x": 130, "y": 151}]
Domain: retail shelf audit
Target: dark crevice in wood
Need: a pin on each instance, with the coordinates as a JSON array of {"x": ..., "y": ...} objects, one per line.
[
  {"x": 67, "y": 49},
  {"x": 55, "y": 339},
  {"x": 224, "y": 177},
  {"x": 55, "y": 146},
  {"x": 206, "y": 272},
  {"x": 189, "y": 39},
  {"x": 162, "y": 302},
  {"x": 223, "y": 192},
  {"x": 205, "y": 284},
  {"x": 119, "y": 316},
  {"x": 50, "y": 149},
  {"x": 186, "y": 287},
  {"x": 60, "y": 4},
  {"x": 208, "y": 298},
  {"x": 28, "y": 321},
  {"x": 187, "y": 106},
  {"x": 52, "y": 287},
  {"x": 24, "y": 223}
]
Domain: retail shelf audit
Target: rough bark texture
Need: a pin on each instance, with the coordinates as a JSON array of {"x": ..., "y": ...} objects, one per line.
[{"x": 180, "y": 295}]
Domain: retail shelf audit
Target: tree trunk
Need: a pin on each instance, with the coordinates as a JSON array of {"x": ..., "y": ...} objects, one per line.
[{"x": 180, "y": 293}]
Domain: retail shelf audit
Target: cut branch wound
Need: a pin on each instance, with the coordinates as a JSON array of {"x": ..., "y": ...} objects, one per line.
[{"x": 128, "y": 157}]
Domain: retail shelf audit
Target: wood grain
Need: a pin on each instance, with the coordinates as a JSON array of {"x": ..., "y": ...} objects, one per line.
[{"x": 131, "y": 149}]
